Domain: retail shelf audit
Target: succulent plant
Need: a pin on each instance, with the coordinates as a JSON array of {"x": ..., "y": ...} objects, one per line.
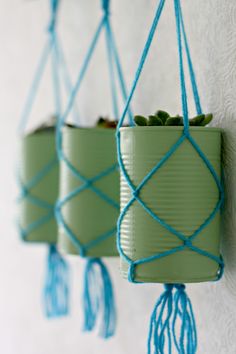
[
  {"x": 154, "y": 120},
  {"x": 104, "y": 122},
  {"x": 174, "y": 121},
  {"x": 48, "y": 125},
  {"x": 162, "y": 118}
]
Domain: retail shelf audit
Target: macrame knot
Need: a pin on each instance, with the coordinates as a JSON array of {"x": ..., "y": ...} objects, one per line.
[
  {"x": 88, "y": 183},
  {"x": 168, "y": 287},
  {"x": 180, "y": 287},
  {"x": 135, "y": 193},
  {"x": 106, "y": 6},
  {"x": 186, "y": 132},
  {"x": 187, "y": 243},
  {"x": 52, "y": 25},
  {"x": 54, "y": 4}
]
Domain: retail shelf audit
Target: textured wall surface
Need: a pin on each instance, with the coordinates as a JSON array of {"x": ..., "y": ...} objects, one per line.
[{"x": 211, "y": 26}]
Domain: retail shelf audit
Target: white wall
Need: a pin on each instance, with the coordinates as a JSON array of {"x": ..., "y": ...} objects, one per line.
[{"x": 212, "y": 31}]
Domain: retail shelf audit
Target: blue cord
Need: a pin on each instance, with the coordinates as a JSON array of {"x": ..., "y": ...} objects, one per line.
[
  {"x": 66, "y": 77},
  {"x": 34, "y": 87},
  {"x": 111, "y": 66},
  {"x": 98, "y": 297},
  {"x": 118, "y": 68},
  {"x": 56, "y": 288},
  {"x": 169, "y": 307},
  {"x": 51, "y": 44},
  {"x": 190, "y": 65}
]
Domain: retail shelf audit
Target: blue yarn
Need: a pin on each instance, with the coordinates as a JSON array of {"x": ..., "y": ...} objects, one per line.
[
  {"x": 190, "y": 65},
  {"x": 34, "y": 87},
  {"x": 55, "y": 76},
  {"x": 173, "y": 313},
  {"x": 112, "y": 74},
  {"x": 118, "y": 68},
  {"x": 169, "y": 308},
  {"x": 26, "y": 193},
  {"x": 56, "y": 292},
  {"x": 66, "y": 77},
  {"x": 52, "y": 44},
  {"x": 87, "y": 184},
  {"x": 141, "y": 64},
  {"x": 56, "y": 289},
  {"x": 187, "y": 342},
  {"x": 98, "y": 298},
  {"x": 184, "y": 98}
]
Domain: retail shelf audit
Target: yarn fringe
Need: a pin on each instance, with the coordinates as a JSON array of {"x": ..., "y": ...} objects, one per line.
[
  {"x": 172, "y": 323},
  {"x": 56, "y": 289},
  {"x": 98, "y": 299}
]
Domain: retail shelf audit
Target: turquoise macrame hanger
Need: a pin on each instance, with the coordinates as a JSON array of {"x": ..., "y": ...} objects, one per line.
[
  {"x": 98, "y": 298},
  {"x": 56, "y": 289},
  {"x": 174, "y": 304}
]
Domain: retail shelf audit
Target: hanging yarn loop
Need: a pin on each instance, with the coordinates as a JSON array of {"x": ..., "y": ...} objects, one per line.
[
  {"x": 95, "y": 299},
  {"x": 174, "y": 305},
  {"x": 98, "y": 299},
  {"x": 56, "y": 291},
  {"x": 106, "y": 6}
]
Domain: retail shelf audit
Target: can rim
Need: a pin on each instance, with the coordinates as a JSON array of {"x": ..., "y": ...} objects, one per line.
[
  {"x": 98, "y": 130},
  {"x": 170, "y": 128}
]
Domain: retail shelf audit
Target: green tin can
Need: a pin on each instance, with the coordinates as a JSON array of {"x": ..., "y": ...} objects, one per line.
[
  {"x": 91, "y": 151},
  {"x": 183, "y": 193},
  {"x": 39, "y": 174}
]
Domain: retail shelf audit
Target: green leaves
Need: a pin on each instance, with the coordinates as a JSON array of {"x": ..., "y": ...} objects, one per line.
[
  {"x": 208, "y": 118},
  {"x": 174, "y": 121},
  {"x": 162, "y": 118},
  {"x": 140, "y": 120},
  {"x": 196, "y": 121},
  {"x": 154, "y": 120}
]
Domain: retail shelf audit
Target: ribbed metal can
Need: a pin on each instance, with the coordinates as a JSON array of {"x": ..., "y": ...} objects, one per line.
[
  {"x": 91, "y": 151},
  {"x": 38, "y": 154},
  {"x": 182, "y": 192}
]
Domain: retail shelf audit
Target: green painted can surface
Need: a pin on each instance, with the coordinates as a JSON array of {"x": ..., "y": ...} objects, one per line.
[
  {"x": 183, "y": 193},
  {"x": 91, "y": 151},
  {"x": 37, "y": 152}
]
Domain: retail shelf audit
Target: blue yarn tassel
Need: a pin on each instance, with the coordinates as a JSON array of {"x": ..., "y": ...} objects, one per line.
[
  {"x": 173, "y": 323},
  {"x": 98, "y": 298},
  {"x": 56, "y": 289}
]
